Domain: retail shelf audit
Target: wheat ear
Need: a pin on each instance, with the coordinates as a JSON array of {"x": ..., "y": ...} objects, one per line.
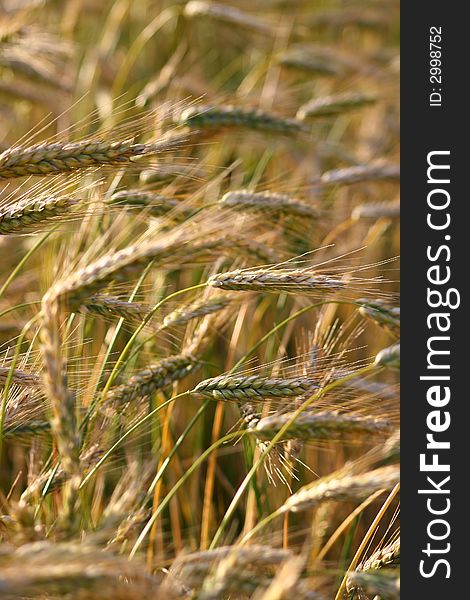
[
  {"x": 253, "y": 387},
  {"x": 28, "y": 214},
  {"x": 348, "y": 488}
]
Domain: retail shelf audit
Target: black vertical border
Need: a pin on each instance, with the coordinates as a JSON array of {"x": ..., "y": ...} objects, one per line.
[{"x": 425, "y": 129}]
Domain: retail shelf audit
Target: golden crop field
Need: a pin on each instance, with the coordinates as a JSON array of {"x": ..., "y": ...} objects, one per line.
[{"x": 199, "y": 299}]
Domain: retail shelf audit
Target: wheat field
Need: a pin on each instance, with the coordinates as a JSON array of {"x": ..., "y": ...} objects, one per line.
[{"x": 199, "y": 299}]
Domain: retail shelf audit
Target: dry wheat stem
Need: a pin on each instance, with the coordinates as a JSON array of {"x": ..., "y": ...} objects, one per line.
[{"x": 62, "y": 401}]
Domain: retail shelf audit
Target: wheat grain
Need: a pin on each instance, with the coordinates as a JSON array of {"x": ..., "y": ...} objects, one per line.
[
  {"x": 386, "y": 557},
  {"x": 52, "y": 479},
  {"x": 29, "y": 213},
  {"x": 75, "y": 570},
  {"x": 225, "y": 578},
  {"x": 325, "y": 424},
  {"x": 389, "y": 451},
  {"x": 28, "y": 428},
  {"x": 154, "y": 377},
  {"x": 24, "y": 90},
  {"x": 106, "y": 306},
  {"x": 19, "y": 377},
  {"x": 348, "y": 488},
  {"x": 119, "y": 266},
  {"x": 34, "y": 68},
  {"x": 389, "y": 357},
  {"x": 363, "y": 17},
  {"x": 382, "y": 314},
  {"x": 328, "y": 106},
  {"x": 252, "y": 387},
  {"x": 66, "y": 157},
  {"x": 156, "y": 205},
  {"x": 307, "y": 60},
  {"x": 278, "y": 204},
  {"x": 381, "y": 583},
  {"x": 168, "y": 172},
  {"x": 362, "y": 173},
  {"x": 293, "y": 281},
  {"x": 220, "y": 117},
  {"x": 199, "y": 308},
  {"x": 377, "y": 210},
  {"x": 227, "y": 14},
  {"x": 244, "y": 556}
]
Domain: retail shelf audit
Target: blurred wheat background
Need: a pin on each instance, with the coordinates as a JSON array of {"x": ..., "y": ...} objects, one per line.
[{"x": 199, "y": 316}]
